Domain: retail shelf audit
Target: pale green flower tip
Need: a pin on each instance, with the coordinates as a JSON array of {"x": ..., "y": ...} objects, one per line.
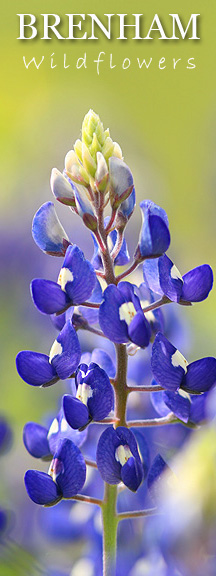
[{"x": 91, "y": 125}]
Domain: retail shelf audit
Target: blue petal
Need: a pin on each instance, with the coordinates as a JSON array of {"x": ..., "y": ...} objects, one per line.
[
  {"x": 60, "y": 429},
  {"x": 41, "y": 488},
  {"x": 35, "y": 368},
  {"x": 127, "y": 207},
  {"x": 166, "y": 374},
  {"x": 151, "y": 275},
  {"x": 200, "y": 376},
  {"x": 102, "y": 400},
  {"x": 197, "y": 284},
  {"x": 35, "y": 440},
  {"x": 157, "y": 400},
  {"x": 123, "y": 255},
  {"x": 48, "y": 296},
  {"x": 84, "y": 278},
  {"x": 120, "y": 176},
  {"x": 92, "y": 314},
  {"x": 132, "y": 474},
  {"x": 170, "y": 284},
  {"x": 109, "y": 468},
  {"x": 178, "y": 404},
  {"x": 103, "y": 359},
  {"x": 58, "y": 321},
  {"x": 48, "y": 232},
  {"x": 67, "y": 362},
  {"x": 76, "y": 413},
  {"x": 158, "y": 467},
  {"x": 198, "y": 411},
  {"x": 109, "y": 319},
  {"x": 72, "y": 477},
  {"x": 139, "y": 330},
  {"x": 155, "y": 236},
  {"x": 143, "y": 450}
]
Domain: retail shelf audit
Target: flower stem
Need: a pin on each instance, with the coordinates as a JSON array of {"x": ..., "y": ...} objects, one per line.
[
  {"x": 169, "y": 419},
  {"x": 110, "y": 524}
]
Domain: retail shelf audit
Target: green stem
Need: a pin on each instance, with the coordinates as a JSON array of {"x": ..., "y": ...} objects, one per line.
[{"x": 110, "y": 524}]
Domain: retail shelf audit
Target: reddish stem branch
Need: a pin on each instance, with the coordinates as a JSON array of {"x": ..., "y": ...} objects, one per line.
[{"x": 136, "y": 514}]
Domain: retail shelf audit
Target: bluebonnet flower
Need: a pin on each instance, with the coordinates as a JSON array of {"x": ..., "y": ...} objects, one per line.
[
  {"x": 162, "y": 276},
  {"x": 172, "y": 371},
  {"x": 42, "y": 442},
  {"x": 154, "y": 317},
  {"x": 48, "y": 232},
  {"x": 118, "y": 458},
  {"x": 121, "y": 317},
  {"x": 94, "y": 397},
  {"x": 41, "y": 370},
  {"x": 6, "y": 435},
  {"x": 65, "y": 478},
  {"x": 102, "y": 358},
  {"x": 62, "y": 188},
  {"x": 121, "y": 181},
  {"x": 76, "y": 282},
  {"x": 154, "y": 236},
  {"x": 192, "y": 409}
]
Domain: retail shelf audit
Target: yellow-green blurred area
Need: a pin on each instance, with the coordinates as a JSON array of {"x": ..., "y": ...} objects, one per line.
[{"x": 163, "y": 119}]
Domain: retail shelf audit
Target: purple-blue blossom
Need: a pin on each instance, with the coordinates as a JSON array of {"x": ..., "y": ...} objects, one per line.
[
  {"x": 154, "y": 236},
  {"x": 47, "y": 231}
]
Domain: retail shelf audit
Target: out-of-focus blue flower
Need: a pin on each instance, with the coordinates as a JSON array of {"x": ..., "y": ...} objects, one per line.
[
  {"x": 76, "y": 282},
  {"x": 100, "y": 357},
  {"x": 94, "y": 397},
  {"x": 42, "y": 442},
  {"x": 162, "y": 276},
  {"x": 172, "y": 371},
  {"x": 121, "y": 181},
  {"x": 154, "y": 236},
  {"x": 121, "y": 317},
  {"x": 187, "y": 408},
  {"x": 6, "y": 435},
  {"x": 47, "y": 231},
  {"x": 41, "y": 370},
  {"x": 65, "y": 478},
  {"x": 118, "y": 458}
]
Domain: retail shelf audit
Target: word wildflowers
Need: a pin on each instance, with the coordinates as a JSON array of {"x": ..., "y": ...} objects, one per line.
[{"x": 90, "y": 296}]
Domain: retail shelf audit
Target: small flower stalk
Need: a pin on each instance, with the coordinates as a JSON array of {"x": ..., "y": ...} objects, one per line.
[{"x": 136, "y": 354}]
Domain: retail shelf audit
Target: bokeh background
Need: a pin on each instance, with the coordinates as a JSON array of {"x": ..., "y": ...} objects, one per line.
[{"x": 165, "y": 122}]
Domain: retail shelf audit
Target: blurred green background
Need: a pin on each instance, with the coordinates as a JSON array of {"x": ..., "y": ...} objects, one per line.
[{"x": 165, "y": 122}]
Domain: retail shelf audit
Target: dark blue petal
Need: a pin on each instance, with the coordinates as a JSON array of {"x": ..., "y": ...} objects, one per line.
[
  {"x": 102, "y": 399},
  {"x": 76, "y": 413},
  {"x": 197, "y": 284},
  {"x": 41, "y": 488},
  {"x": 47, "y": 231},
  {"x": 123, "y": 255},
  {"x": 114, "y": 328},
  {"x": 155, "y": 236},
  {"x": 170, "y": 280},
  {"x": 35, "y": 440},
  {"x": 73, "y": 474},
  {"x": 132, "y": 474},
  {"x": 165, "y": 363},
  {"x": 92, "y": 314},
  {"x": 178, "y": 404},
  {"x": 84, "y": 278},
  {"x": 58, "y": 321},
  {"x": 139, "y": 330},
  {"x": 198, "y": 412},
  {"x": 151, "y": 275},
  {"x": 143, "y": 450},
  {"x": 48, "y": 296},
  {"x": 35, "y": 368},
  {"x": 68, "y": 360},
  {"x": 200, "y": 376},
  {"x": 128, "y": 291},
  {"x": 108, "y": 466},
  {"x": 103, "y": 359}
]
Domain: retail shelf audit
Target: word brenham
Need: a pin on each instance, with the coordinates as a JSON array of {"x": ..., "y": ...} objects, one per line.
[{"x": 76, "y": 24}]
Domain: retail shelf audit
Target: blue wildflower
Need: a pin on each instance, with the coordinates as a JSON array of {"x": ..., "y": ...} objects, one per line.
[
  {"x": 94, "y": 397},
  {"x": 121, "y": 181},
  {"x": 100, "y": 357},
  {"x": 66, "y": 476},
  {"x": 154, "y": 236},
  {"x": 41, "y": 370},
  {"x": 121, "y": 317},
  {"x": 6, "y": 435},
  {"x": 76, "y": 282},
  {"x": 121, "y": 259},
  {"x": 162, "y": 276},
  {"x": 172, "y": 371},
  {"x": 118, "y": 458},
  {"x": 47, "y": 231}
]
